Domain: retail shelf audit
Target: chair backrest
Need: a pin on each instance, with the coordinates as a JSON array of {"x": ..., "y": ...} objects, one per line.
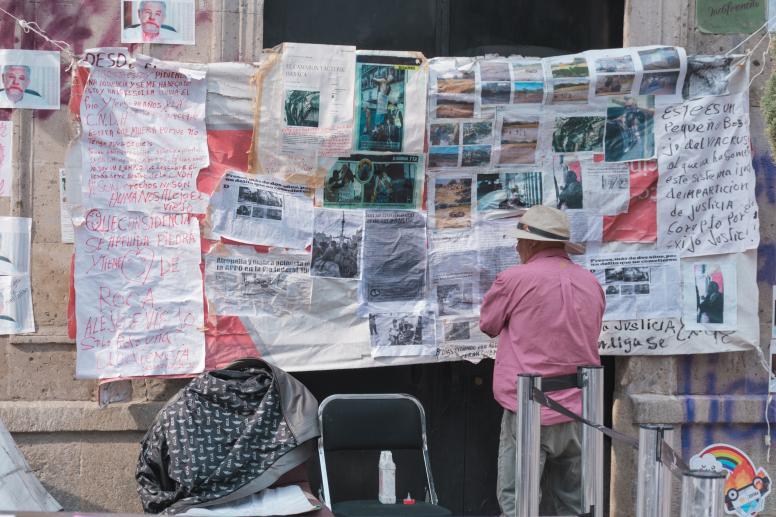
[{"x": 390, "y": 421}]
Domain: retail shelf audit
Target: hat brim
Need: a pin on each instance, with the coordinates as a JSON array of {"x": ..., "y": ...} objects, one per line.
[{"x": 571, "y": 247}]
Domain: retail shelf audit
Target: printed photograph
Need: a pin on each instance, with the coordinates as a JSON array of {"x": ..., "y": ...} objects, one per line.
[
  {"x": 508, "y": 191},
  {"x": 528, "y": 70},
  {"x": 614, "y": 64},
  {"x": 629, "y": 133},
  {"x": 373, "y": 185},
  {"x": 456, "y": 82},
  {"x": 302, "y": 108},
  {"x": 337, "y": 239},
  {"x": 259, "y": 197},
  {"x": 495, "y": 93},
  {"x": 709, "y": 293},
  {"x": 519, "y": 138},
  {"x": 457, "y": 331},
  {"x": 400, "y": 329},
  {"x": 627, "y": 274},
  {"x": 243, "y": 211},
  {"x": 626, "y": 289},
  {"x": 660, "y": 58},
  {"x": 29, "y": 79},
  {"x": 455, "y": 298},
  {"x": 571, "y": 90},
  {"x": 569, "y": 66},
  {"x": 475, "y": 155},
  {"x": 454, "y": 108},
  {"x": 261, "y": 212},
  {"x": 452, "y": 202},
  {"x": 494, "y": 71},
  {"x": 642, "y": 288},
  {"x": 444, "y": 134},
  {"x": 158, "y": 21},
  {"x": 578, "y": 134},
  {"x": 477, "y": 133},
  {"x": 614, "y": 84},
  {"x": 612, "y": 290},
  {"x": 439, "y": 157},
  {"x": 381, "y": 105},
  {"x": 659, "y": 83},
  {"x": 528, "y": 92},
  {"x": 568, "y": 184},
  {"x": 707, "y": 75}
]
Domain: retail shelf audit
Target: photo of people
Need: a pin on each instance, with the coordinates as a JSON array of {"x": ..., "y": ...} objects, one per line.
[
  {"x": 578, "y": 134},
  {"x": 519, "y": 137},
  {"x": 709, "y": 293},
  {"x": 302, "y": 108},
  {"x": 456, "y": 82},
  {"x": 568, "y": 184},
  {"x": 527, "y": 70},
  {"x": 447, "y": 107},
  {"x": 29, "y": 79},
  {"x": 528, "y": 92},
  {"x": 614, "y": 84},
  {"x": 659, "y": 58},
  {"x": 444, "y": 134},
  {"x": 659, "y": 83},
  {"x": 452, "y": 202},
  {"x": 495, "y": 93},
  {"x": 508, "y": 190},
  {"x": 445, "y": 156},
  {"x": 629, "y": 133},
  {"x": 376, "y": 182},
  {"x": 400, "y": 329},
  {"x": 455, "y": 298},
  {"x": 568, "y": 66},
  {"x": 475, "y": 155},
  {"x": 158, "y": 21},
  {"x": 259, "y": 197},
  {"x": 477, "y": 133},
  {"x": 337, "y": 239},
  {"x": 494, "y": 71},
  {"x": 570, "y": 90},
  {"x": 381, "y": 103},
  {"x": 614, "y": 64},
  {"x": 457, "y": 330}
]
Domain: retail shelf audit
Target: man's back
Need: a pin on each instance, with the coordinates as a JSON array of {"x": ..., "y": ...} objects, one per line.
[{"x": 548, "y": 316}]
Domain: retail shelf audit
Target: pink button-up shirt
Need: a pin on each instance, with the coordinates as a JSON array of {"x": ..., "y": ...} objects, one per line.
[{"x": 547, "y": 314}]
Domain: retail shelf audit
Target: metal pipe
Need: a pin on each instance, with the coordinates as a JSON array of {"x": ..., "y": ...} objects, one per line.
[
  {"x": 702, "y": 493},
  {"x": 653, "y": 491},
  {"x": 592, "y": 382},
  {"x": 527, "y": 429}
]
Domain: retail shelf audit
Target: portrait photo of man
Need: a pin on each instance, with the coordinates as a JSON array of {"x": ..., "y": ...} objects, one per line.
[
  {"x": 153, "y": 26},
  {"x": 15, "y": 91}
]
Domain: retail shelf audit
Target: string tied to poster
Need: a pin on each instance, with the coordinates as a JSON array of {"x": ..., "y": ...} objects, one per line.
[{"x": 67, "y": 50}]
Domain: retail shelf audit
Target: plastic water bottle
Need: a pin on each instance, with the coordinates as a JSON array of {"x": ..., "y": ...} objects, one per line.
[{"x": 387, "y": 478}]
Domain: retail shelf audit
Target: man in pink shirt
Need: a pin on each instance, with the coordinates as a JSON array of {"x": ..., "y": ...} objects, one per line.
[{"x": 547, "y": 313}]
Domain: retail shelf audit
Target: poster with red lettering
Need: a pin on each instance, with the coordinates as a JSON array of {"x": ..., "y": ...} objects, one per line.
[{"x": 139, "y": 303}]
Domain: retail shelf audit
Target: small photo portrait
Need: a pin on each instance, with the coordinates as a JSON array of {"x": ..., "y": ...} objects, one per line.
[
  {"x": 495, "y": 93},
  {"x": 528, "y": 92},
  {"x": 494, "y": 71},
  {"x": 169, "y": 22},
  {"x": 439, "y": 157},
  {"x": 475, "y": 155},
  {"x": 477, "y": 133},
  {"x": 454, "y": 108},
  {"x": 659, "y": 83},
  {"x": 570, "y": 90},
  {"x": 302, "y": 108},
  {"x": 614, "y": 64},
  {"x": 630, "y": 134},
  {"x": 663, "y": 58},
  {"x": 709, "y": 293},
  {"x": 614, "y": 84},
  {"x": 444, "y": 134},
  {"x": 29, "y": 79}
]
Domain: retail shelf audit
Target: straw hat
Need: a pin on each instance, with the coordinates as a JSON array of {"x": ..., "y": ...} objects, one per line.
[{"x": 544, "y": 223}]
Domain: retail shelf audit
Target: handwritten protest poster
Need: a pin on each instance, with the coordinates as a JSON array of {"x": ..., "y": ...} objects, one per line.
[
  {"x": 144, "y": 139},
  {"x": 6, "y": 157},
  {"x": 139, "y": 301},
  {"x": 108, "y": 57},
  {"x": 705, "y": 196}
]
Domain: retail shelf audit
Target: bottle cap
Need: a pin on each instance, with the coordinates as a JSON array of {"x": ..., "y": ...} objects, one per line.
[{"x": 409, "y": 499}]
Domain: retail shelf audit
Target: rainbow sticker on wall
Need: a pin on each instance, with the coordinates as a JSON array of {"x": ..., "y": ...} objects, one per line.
[{"x": 745, "y": 487}]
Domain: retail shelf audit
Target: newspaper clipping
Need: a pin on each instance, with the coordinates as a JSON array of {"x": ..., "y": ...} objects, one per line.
[
  {"x": 606, "y": 187},
  {"x": 460, "y": 338},
  {"x": 262, "y": 210},
  {"x": 242, "y": 282},
  {"x": 402, "y": 334},
  {"x": 337, "y": 239},
  {"x": 496, "y": 241},
  {"x": 639, "y": 285}
]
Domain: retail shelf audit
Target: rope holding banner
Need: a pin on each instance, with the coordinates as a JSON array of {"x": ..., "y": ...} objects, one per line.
[{"x": 66, "y": 49}]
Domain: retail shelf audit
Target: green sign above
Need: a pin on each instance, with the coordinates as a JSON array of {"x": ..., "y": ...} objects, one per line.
[{"x": 730, "y": 16}]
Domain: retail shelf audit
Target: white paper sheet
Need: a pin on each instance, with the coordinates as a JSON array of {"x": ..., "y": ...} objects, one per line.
[
  {"x": 262, "y": 210},
  {"x": 139, "y": 298},
  {"x": 30, "y": 79},
  {"x": 16, "y": 316},
  {"x": 15, "y": 245},
  {"x": 172, "y": 22},
  {"x": 706, "y": 193},
  {"x": 402, "y": 334},
  {"x": 606, "y": 187},
  {"x": 144, "y": 139}
]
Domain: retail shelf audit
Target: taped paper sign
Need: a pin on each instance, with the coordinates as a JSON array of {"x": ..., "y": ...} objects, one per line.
[
  {"x": 139, "y": 307},
  {"x": 30, "y": 79},
  {"x": 706, "y": 201},
  {"x": 16, "y": 315},
  {"x": 6, "y": 157},
  {"x": 15, "y": 245},
  {"x": 241, "y": 282},
  {"x": 262, "y": 210},
  {"x": 746, "y": 486},
  {"x": 144, "y": 139},
  {"x": 158, "y": 21}
]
